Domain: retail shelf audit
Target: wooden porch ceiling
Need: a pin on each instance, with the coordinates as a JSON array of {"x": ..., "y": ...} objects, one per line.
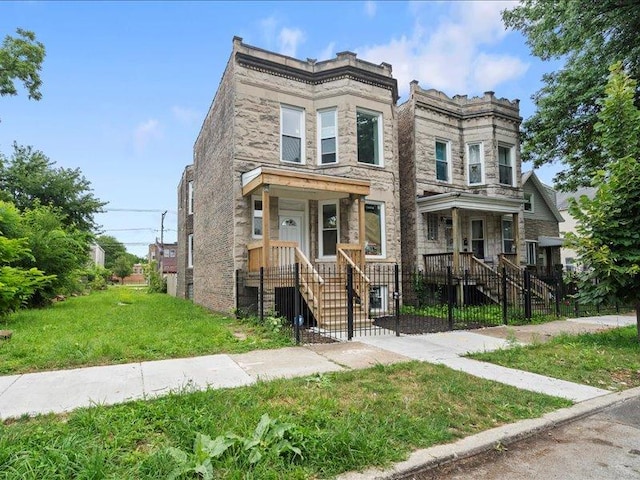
[{"x": 302, "y": 180}]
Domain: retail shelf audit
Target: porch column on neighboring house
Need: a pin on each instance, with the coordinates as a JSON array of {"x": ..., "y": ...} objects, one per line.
[
  {"x": 361, "y": 227},
  {"x": 516, "y": 236},
  {"x": 266, "y": 228},
  {"x": 455, "y": 220}
]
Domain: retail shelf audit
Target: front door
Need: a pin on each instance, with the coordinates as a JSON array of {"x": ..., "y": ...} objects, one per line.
[
  {"x": 291, "y": 230},
  {"x": 477, "y": 238}
]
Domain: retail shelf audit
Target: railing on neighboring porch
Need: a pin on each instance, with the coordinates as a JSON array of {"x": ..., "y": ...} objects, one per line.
[
  {"x": 440, "y": 261},
  {"x": 538, "y": 288}
]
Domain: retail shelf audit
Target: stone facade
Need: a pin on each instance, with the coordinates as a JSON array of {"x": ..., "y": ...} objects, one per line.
[
  {"x": 429, "y": 117},
  {"x": 242, "y": 131},
  {"x": 186, "y": 190}
]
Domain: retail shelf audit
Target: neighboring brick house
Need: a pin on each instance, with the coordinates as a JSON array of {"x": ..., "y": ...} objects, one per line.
[
  {"x": 460, "y": 180},
  {"x": 185, "y": 234},
  {"x": 167, "y": 256},
  {"x": 541, "y": 226},
  {"x": 294, "y": 158}
]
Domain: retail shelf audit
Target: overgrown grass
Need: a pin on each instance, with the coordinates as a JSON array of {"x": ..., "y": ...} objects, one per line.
[
  {"x": 609, "y": 360},
  {"x": 123, "y": 325},
  {"x": 341, "y": 422}
]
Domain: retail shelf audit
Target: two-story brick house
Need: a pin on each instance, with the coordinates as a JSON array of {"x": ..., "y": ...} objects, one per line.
[
  {"x": 460, "y": 180},
  {"x": 295, "y": 160}
]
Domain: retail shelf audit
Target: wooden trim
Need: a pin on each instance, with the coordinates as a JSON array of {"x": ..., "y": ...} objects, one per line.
[
  {"x": 361, "y": 223},
  {"x": 307, "y": 181}
]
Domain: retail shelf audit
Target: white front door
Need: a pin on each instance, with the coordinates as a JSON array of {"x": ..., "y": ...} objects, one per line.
[{"x": 291, "y": 228}]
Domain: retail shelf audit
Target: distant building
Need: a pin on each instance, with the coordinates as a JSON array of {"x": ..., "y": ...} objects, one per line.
[
  {"x": 96, "y": 252},
  {"x": 569, "y": 256},
  {"x": 185, "y": 234},
  {"x": 167, "y": 256}
]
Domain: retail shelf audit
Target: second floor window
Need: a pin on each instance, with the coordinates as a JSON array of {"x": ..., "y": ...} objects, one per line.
[
  {"x": 505, "y": 165},
  {"x": 369, "y": 131},
  {"x": 475, "y": 163},
  {"x": 190, "y": 251},
  {"x": 528, "y": 202},
  {"x": 190, "y": 198},
  {"x": 442, "y": 161},
  {"x": 327, "y": 141},
  {"x": 292, "y": 134}
]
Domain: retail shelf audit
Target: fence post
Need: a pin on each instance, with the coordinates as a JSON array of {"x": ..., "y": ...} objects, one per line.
[
  {"x": 505, "y": 300},
  {"x": 349, "y": 302},
  {"x": 261, "y": 295},
  {"x": 396, "y": 297},
  {"x": 527, "y": 295},
  {"x": 297, "y": 315},
  {"x": 557, "y": 294},
  {"x": 450, "y": 298}
]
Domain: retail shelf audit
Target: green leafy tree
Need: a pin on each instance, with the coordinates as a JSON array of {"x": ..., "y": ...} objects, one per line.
[
  {"x": 123, "y": 267},
  {"x": 588, "y": 37},
  {"x": 114, "y": 249},
  {"x": 56, "y": 249},
  {"x": 17, "y": 284},
  {"x": 608, "y": 239},
  {"x": 21, "y": 59},
  {"x": 28, "y": 178}
]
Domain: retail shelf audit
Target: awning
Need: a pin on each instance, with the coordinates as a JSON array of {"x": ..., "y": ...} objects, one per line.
[
  {"x": 550, "y": 241},
  {"x": 468, "y": 201}
]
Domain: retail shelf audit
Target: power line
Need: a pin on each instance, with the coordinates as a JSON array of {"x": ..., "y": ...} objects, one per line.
[{"x": 141, "y": 210}]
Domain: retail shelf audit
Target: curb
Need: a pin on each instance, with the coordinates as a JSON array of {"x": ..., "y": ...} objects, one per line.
[{"x": 426, "y": 459}]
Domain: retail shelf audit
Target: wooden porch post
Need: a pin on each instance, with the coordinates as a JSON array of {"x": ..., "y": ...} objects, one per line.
[
  {"x": 361, "y": 228},
  {"x": 516, "y": 236},
  {"x": 266, "y": 228},
  {"x": 455, "y": 220}
]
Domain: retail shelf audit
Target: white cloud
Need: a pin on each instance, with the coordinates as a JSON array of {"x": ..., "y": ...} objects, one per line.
[
  {"x": 448, "y": 54},
  {"x": 187, "y": 116},
  {"x": 289, "y": 39},
  {"x": 370, "y": 8},
  {"x": 145, "y": 132},
  {"x": 327, "y": 52}
]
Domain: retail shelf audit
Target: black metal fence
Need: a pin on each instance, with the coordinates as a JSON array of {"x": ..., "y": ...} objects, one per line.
[{"x": 325, "y": 304}]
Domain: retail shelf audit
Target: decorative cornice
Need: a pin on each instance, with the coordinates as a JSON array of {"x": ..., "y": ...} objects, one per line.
[
  {"x": 459, "y": 112},
  {"x": 323, "y": 76}
]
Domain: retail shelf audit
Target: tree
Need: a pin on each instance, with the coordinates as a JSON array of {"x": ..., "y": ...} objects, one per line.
[
  {"x": 29, "y": 179},
  {"x": 608, "y": 240},
  {"x": 114, "y": 249},
  {"x": 122, "y": 267},
  {"x": 21, "y": 59},
  {"x": 17, "y": 284},
  {"x": 588, "y": 36}
]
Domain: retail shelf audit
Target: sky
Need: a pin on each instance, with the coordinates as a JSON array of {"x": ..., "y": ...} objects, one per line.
[{"x": 126, "y": 85}]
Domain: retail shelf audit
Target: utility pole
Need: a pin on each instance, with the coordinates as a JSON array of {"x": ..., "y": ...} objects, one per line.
[{"x": 162, "y": 242}]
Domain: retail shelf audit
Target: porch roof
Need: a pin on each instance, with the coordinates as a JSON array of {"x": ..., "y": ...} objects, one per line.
[
  {"x": 302, "y": 180},
  {"x": 468, "y": 201},
  {"x": 550, "y": 241}
]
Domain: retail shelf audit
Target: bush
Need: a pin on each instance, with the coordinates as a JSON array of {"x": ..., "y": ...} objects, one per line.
[{"x": 155, "y": 281}]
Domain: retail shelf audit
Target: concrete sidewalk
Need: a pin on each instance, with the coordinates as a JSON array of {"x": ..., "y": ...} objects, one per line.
[{"x": 65, "y": 390}]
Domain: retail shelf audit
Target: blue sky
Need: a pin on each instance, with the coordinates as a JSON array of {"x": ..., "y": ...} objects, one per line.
[{"x": 126, "y": 85}]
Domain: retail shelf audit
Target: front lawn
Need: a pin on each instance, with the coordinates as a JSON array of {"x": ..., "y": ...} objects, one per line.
[
  {"x": 122, "y": 325},
  {"x": 609, "y": 360},
  {"x": 339, "y": 422}
]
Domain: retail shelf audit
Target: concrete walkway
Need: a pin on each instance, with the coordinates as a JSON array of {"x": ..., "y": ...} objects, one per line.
[{"x": 64, "y": 390}]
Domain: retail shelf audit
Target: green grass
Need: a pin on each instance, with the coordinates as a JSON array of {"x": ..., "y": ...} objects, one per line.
[
  {"x": 122, "y": 325},
  {"x": 341, "y": 421},
  {"x": 609, "y": 360},
  {"x": 486, "y": 314}
]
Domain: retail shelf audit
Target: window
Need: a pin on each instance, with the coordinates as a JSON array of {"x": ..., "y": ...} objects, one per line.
[
  {"x": 190, "y": 251},
  {"x": 327, "y": 142},
  {"x": 507, "y": 236},
  {"x": 328, "y": 228},
  {"x": 374, "y": 243},
  {"x": 432, "y": 226},
  {"x": 378, "y": 298},
  {"x": 531, "y": 253},
  {"x": 190, "y": 198},
  {"x": 505, "y": 165},
  {"x": 292, "y": 134},
  {"x": 475, "y": 159},
  {"x": 170, "y": 253},
  {"x": 477, "y": 238},
  {"x": 257, "y": 218},
  {"x": 369, "y": 131},
  {"x": 442, "y": 161},
  {"x": 528, "y": 202}
]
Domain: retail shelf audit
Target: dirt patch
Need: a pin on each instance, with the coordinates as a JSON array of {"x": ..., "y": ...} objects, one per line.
[
  {"x": 416, "y": 324},
  {"x": 310, "y": 336}
]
